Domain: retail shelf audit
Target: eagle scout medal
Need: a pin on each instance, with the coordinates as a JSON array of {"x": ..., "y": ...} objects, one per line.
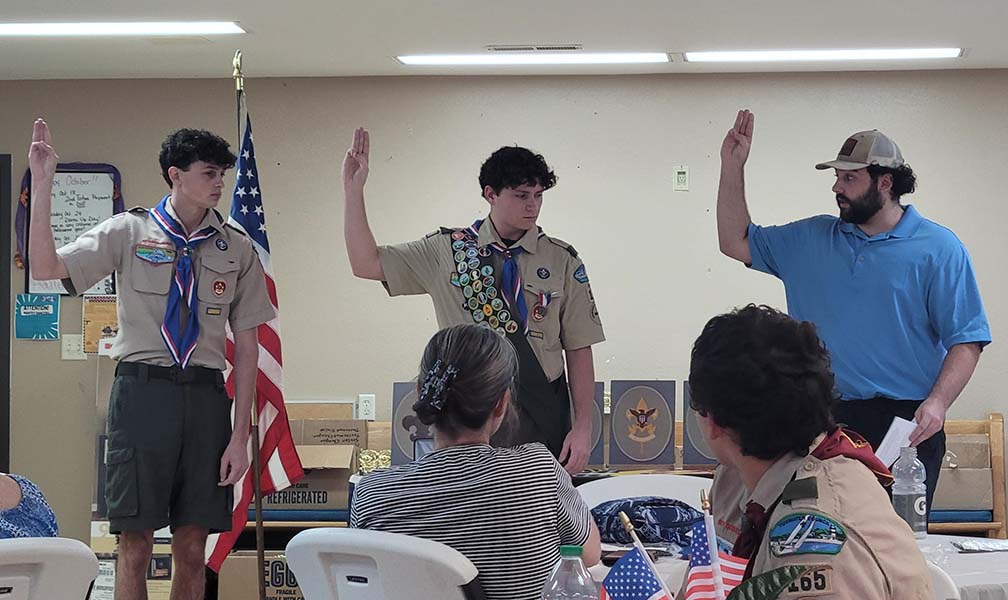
[{"x": 539, "y": 310}]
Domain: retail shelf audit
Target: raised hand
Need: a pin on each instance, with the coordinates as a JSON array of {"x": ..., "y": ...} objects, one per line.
[
  {"x": 42, "y": 158},
  {"x": 355, "y": 164},
  {"x": 738, "y": 140}
]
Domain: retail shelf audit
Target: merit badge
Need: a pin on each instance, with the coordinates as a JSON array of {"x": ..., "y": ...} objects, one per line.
[
  {"x": 500, "y": 330},
  {"x": 491, "y": 291},
  {"x": 473, "y": 263},
  {"x": 462, "y": 267},
  {"x": 504, "y": 316},
  {"x": 580, "y": 275},
  {"x": 538, "y": 313},
  {"x": 460, "y": 256},
  {"x": 511, "y": 327},
  {"x": 477, "y": 285},
  {"x": 487, "y": 310},
  {"x": 482, "y": 297},
  {"x": 497, "y": 303},
  {"x": 154, "y": 254},
  {"x": 478, "y": 315},
  {"x": 486, "y": 271},
  {"x": 458, "y": 245},
  {"x": 543, "y": 273},
  {"x": 472, "y": 303},
  {"x": 484, "y": 251},
  {"x": 458, "y": 235},
  {"x": 806, "y": 533},
  {"x": 221, "y": 244},
  {"x": 455, "y": 279},
  {"x": 219, "y": 287},
  {"x": 463, "y": 279},
  {"x": 471, "y": 252},
  {"x": 467, "y": 291},
  {"x": 493, "y": 322}
]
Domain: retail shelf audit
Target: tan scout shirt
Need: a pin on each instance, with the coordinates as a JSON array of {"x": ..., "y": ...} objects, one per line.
[
  {"x": 878, "y": 560},
  {"x": 546, "y": 265},
  {"x": 231, "y": 287}
]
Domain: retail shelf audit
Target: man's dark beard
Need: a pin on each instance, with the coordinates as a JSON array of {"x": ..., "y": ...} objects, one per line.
[{"x": 860, "y": 210}]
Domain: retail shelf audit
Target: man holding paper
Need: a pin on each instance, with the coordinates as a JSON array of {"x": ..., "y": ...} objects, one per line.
[{"x": 892, "y": 294}]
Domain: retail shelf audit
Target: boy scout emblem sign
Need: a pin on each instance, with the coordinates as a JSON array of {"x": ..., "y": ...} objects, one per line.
[
  {"x": 155, "y": 254},
  {"x": 643, "y": 423},
  {"x": 806, "y": 533},
  {"x": 219, "y": 287},
  {"x": 222, "y": 245}
]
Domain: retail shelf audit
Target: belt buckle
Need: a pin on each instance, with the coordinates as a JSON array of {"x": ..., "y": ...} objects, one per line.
[{"x": 180, "y": 375}]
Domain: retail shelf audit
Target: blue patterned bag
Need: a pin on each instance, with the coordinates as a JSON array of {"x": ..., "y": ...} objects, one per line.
[{"x": 657, "y": 520}]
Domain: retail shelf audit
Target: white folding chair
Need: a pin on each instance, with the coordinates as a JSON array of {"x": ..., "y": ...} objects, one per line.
[
  {"x": 343, "y": 564},
  {"x": 941, "y": 584},
  {"x": 680, "y": 487},
  {"x": 46, "y": 569}
]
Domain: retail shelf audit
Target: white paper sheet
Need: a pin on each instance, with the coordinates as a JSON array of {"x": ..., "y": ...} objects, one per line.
[{"x": 897, "y": 437}]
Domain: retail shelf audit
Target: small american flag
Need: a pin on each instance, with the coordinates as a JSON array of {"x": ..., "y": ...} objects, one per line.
[
  {"x": 279, "y": 464},
  {"x": 632, "y": 578},
  {"x": 707, "y": 578}
]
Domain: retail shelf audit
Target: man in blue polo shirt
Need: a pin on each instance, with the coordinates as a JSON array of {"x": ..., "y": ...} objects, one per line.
[{"x": 893, "y": 295}]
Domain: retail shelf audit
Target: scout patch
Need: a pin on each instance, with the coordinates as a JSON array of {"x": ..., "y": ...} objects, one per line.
[
  {"x": 213, "y": 310},
  {"x": 817, "y": 581},
  {"x": 581, "y": 275},
  {"x": 154, "y": 254},
  {"x": 806, "y": 533},
  {"x": 219, "y": 287},
  {"x": 222, "y": 244},
  {"x": 543, "y": 273}
]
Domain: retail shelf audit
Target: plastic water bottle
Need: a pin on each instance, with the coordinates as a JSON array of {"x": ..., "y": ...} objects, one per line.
[
  {"x": 909, "y": 494},
  {"x": 570, "y": 579}
]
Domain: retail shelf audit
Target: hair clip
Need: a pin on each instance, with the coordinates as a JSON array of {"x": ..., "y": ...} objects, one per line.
[{"x": 435, "y": 385}]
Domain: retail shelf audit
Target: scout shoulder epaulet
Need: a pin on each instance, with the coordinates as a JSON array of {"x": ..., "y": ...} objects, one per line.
[
  {"x": 233, "y": 228},
  {"x": 441, "y": 231},
  {"x": 800, "y": 489},
  {"x": 138, "y": 210},
  {"x": 563, "y": 245}
]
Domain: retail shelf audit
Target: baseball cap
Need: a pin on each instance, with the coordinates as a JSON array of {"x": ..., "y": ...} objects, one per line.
[{"x": 866, "y": 148}]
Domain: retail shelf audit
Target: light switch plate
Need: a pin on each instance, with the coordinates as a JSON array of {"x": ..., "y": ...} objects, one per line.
[{"x": 72, "y": 346}]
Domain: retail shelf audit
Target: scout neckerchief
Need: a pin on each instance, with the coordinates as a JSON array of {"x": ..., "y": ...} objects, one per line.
[
  {"x": 475, "y": 275},
  {"x": 181, "y": 343}
]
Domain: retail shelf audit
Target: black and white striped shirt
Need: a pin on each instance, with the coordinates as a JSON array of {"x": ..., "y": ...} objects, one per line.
[{"x": 506, "y": 509}]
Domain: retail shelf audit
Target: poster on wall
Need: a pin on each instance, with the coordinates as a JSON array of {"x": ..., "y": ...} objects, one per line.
[
  {"x": 642, "y": 424},
  {"x": 99, "y": 321},
  {"x": 36, "y": 317}
]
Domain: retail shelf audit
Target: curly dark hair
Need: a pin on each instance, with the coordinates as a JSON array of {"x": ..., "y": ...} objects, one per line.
[
  {"x": 186, "y": 146},
  {"x": 766, "y": 377},
  {"x": 512, "y": 166},
  {"x": 903, "y": 179},
  {"x": 464, "y": 371}
]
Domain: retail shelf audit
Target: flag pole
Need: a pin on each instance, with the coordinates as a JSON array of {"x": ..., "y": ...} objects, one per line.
[
  {"x": 628, "y": 526},
  {"x": 254, "y": 434},
  {"x": 708, "y": 513}
]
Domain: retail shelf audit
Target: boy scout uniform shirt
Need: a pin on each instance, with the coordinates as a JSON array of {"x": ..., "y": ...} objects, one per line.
[
  {"x": 231, "y": 287},
  {"x": 546, "y": 265},
  {"x": 865, "y": 549}
]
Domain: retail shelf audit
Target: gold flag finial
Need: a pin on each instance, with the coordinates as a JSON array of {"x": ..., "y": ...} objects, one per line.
[
  {"x": 625, "y": 520},
  {"x": 237, "y": 72},
  {"x": 705, "y": 501}
]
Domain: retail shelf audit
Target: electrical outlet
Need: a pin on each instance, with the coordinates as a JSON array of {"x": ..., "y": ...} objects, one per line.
[
  {"x": 72, "y": 346},
  {"x": 366, "y": 407},
  {"x": 680, "y": 179}
]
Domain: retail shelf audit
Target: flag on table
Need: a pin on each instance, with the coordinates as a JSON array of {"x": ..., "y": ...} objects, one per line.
[
  {"x": 712, "y": 573},
  {"x": 279, "y": 464},
  {"x": 632, "y": 578}
]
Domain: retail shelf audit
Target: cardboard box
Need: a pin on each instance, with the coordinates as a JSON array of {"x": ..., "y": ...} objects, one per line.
[
  {"x": 326, "y": 483},
  {"x": 330, "y": 432},
  {"x": 964, "y": 489},
  {"x": 319, "y": 410},
  {"x": 159, "y": 576},
  {"x": 379, "y": 435},
  {"x": 237, "y": 578},
  {"x": 970, "y": 451}
]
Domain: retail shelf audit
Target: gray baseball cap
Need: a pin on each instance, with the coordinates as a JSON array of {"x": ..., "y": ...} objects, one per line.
[{"x": 866, "y": 148}]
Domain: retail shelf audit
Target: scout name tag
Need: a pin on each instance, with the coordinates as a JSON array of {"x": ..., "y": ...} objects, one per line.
[{"x": 155, "y": 254}]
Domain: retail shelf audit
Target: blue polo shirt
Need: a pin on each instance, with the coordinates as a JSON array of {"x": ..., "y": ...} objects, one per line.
[{"x": 888, "y": 307}]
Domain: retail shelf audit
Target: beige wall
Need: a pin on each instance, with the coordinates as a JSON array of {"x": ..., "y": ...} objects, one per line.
[{"x": 651, "y": 252}]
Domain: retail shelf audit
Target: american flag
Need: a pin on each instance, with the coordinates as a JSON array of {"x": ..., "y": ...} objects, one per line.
[
  {"x": 709, "y": 579},
  {"x": 632, "y": 578},
  {"x": 278, "y": 460}
]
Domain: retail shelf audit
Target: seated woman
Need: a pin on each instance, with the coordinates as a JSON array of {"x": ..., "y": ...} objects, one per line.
[
  {"x": 24, "y": 511},
  {"x": 506, "y": 509}
]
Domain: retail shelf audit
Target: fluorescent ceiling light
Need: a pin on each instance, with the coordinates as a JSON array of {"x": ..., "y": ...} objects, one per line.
[
  {"x": 134, "y": 29},
  {"x": 537, "y": 58},
  {"x": 814, "y": 55}
]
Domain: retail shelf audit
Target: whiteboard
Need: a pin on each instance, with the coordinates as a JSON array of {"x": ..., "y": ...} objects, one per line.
[{"x": 79, "y": 202}]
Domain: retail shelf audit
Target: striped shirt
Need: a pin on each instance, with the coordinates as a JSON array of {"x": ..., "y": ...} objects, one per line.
[{"x": 506, "y": 509}]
